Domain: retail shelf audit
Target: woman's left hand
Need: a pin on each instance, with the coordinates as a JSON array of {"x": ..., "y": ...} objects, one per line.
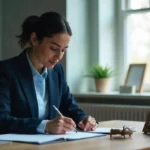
[{"x": 88, "y": 124}]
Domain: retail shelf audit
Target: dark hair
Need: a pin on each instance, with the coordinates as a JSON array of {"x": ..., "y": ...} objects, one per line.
[{"x": 46, "y": 25}]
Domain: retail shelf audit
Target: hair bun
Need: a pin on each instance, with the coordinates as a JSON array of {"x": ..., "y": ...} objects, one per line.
[
  {"x": 28, "y": 26},
  {"x": 30, "y": 23}
]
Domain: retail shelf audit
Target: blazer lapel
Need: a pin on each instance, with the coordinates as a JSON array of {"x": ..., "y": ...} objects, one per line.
[
  {"x": 27, "y": 84},
  {"x": 29, "y": 91},
  {"x": 53, "y": 92}
]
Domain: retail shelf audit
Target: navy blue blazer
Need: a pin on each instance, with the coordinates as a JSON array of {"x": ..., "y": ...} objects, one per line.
[{"x": 18, "y": 102}]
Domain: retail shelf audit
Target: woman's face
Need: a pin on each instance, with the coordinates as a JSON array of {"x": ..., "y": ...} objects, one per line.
[{"x": 50, "y": 50}]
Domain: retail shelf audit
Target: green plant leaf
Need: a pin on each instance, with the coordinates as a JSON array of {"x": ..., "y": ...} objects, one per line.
[{"x": 97, "y": 71}]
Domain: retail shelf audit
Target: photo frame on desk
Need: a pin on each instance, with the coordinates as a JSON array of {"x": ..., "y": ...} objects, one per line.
[
  {"x": 135, "y": 76},
  {"x": 146, "y": 128}
]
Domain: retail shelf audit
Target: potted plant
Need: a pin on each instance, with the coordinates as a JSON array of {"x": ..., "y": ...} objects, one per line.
[{"x": 101, "y": 76}]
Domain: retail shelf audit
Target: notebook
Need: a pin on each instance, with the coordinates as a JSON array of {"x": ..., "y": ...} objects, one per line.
[{"x": 47, "y": 138}]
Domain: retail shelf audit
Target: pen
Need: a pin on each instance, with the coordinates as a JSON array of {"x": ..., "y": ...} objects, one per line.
[{"x": 61, "y": 114}]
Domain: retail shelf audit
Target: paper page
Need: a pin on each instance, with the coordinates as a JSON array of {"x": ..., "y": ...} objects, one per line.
[
  {"x": 31, "y": 138},
  {"x": 81, "y": 135},
  {"x": 107, "y": 130},
  {"x": 101, "y": 130},
  {"x": 45, "y": 138}
]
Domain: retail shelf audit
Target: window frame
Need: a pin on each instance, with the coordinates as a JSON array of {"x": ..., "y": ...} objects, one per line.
[{"x": 121, "y": 38}]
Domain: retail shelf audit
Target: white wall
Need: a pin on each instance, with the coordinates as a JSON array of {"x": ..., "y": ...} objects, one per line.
[
  {"x": 121, "y": 60},
  {"x": 106, "y": 32},
  {"x": 102, "y": 41},
  {"x": 78, "y": 53},
  {"x": 107, "y": 36}
]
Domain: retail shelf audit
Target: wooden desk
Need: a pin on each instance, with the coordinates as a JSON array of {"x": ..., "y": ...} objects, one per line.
[{"x": 137, "y": 141}]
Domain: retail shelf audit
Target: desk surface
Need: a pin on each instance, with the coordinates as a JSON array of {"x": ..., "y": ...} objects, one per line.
[{"x": 137, "y": 141}]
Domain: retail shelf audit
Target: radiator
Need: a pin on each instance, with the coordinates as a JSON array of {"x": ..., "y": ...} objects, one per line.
[{"x": 103, "y": 112}]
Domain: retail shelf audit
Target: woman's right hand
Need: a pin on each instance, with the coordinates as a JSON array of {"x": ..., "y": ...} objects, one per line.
[{"x": 59, "y": 125}]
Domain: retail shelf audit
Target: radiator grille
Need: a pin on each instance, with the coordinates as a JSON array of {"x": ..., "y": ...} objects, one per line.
[{"x": 103, "y": 112}]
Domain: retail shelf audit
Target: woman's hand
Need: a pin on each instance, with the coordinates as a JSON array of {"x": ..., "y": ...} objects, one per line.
[
  {"x": 60, "y": 125},
  {"x": 88, "y": 124}
]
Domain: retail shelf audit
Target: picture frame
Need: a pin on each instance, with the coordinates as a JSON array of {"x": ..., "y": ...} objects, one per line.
[
  {"x": 135, "y": 76},
  {"x": 146, "y": 128}
]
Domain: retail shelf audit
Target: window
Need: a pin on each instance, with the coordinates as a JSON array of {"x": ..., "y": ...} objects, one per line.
[
  {"x": 136, "y": 4},
  {"x": 137, "y": 33}
]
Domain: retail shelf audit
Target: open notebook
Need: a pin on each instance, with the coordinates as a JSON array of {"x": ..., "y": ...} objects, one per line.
[{"x": 47, "y": 138}]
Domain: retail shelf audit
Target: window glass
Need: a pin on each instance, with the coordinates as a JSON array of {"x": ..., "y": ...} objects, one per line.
[
  {"x": 138, "y": 39},
  {"x": 137, "y": 4}
]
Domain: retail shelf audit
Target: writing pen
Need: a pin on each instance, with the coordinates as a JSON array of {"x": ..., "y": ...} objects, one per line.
[{"x": 61, "y": 114}]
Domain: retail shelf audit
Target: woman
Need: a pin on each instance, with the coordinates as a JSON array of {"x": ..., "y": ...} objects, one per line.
[{"x": 31, "y": 83}]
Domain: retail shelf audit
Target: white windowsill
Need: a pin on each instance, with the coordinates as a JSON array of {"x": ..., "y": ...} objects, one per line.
[{"x": 116, "y": 94}]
